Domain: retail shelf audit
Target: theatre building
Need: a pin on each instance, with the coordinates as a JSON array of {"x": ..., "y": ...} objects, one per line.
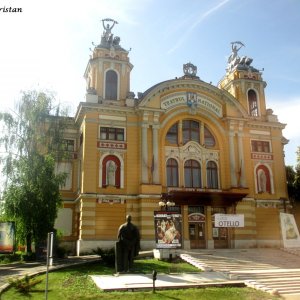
[{"x": 204, "y": 149}]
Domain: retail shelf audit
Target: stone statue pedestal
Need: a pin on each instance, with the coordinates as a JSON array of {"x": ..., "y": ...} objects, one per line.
[{"x": 164, "y": 253}]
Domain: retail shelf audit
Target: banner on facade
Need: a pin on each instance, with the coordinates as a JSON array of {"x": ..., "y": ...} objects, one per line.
[
  {"x": 168, "y": 230},
  {"x": 289, "y": 231},
  {"x": 7, "y": 237},
  {"x": 229, "y": 220}
]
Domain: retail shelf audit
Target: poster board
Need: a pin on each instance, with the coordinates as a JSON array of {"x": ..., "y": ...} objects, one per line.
[
  {"x": 7, "y": 237},
  {"x": 289, "y": 231},
  {"x": 168, "y": 230}
]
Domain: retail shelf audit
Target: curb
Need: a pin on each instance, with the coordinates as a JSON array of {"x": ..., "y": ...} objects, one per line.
[{"x": 5, "y": 286}]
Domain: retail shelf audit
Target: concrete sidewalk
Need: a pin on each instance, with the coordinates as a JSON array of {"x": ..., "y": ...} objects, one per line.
[
  {"x": 164, "y": 281},
  {"x": 19, "y": 270}
]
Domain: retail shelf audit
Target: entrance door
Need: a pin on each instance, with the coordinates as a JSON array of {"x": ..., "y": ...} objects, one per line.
[
  {"x": 197, "y": 235},
  {"x": 220, "y": 236}
]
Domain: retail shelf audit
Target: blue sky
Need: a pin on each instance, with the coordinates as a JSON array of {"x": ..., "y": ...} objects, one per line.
[{"x": 47, "y": 46}]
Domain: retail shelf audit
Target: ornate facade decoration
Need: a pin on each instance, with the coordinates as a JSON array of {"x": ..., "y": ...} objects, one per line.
[{"x": 190, "y": 70}]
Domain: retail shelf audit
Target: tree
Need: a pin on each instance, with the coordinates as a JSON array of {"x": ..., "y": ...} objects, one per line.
[
  {"x": 290, "y": 177},
  {"x": 293, "y": 179},
  {"x": 297, "y": 176},
  {"x": 32, "y": 138}
]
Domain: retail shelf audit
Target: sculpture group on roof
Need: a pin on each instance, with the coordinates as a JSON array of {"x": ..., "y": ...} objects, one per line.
[
  {"x": 234, "y": 61},
  {"x": 108, "y": 40}
]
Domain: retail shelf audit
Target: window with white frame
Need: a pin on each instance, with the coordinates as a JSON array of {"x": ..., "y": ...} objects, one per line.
[
  {"x": 68, "y": 145},
  {"x": 112, "y": 134},
  {"x": 260, "y": 146}
]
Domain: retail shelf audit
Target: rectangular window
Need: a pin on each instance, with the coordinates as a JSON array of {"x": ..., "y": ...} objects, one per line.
[
  {"x": 112, "y": 134},
  {"x": 196, "y": 209},
  {"x": 260, "y": 146},
  {"x": 68, "y": 145}
]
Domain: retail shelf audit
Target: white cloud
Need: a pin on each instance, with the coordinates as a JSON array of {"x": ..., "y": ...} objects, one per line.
[{"x": 287, "y": 110}]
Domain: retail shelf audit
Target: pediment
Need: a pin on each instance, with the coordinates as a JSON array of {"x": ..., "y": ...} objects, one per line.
[{"x": 193, "y": 95}]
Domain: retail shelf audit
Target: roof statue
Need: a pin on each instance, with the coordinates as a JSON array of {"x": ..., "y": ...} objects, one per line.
[
  {"x": 235, "y": 61},
  {"x": 107, "y": 28},
  {"x": 107, "y": 39},
  {"x": 190, "y": 71}
]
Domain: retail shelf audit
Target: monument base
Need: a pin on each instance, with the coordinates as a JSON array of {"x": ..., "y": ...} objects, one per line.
[{"x": 165, "y": 253}]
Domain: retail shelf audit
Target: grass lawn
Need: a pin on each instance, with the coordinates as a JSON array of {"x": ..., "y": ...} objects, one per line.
[{"x": 74, "y": 283}]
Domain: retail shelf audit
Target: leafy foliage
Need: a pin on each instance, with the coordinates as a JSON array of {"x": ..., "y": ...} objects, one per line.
[
  {"x": 107, "y": 255},
  {"x": 32, "y": 138},
  {"x": 293, "y": 179}
]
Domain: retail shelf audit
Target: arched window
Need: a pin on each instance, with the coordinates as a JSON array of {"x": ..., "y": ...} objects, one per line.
[
  {"x": 263, "y": 179},
  {"x": 253, "y": 104},
  {"x": 111, "y": 170},
  {"x": 172, "y": 172},
  {"x": 172, "y": 134},
  {"x": 111, "y": 85},
  {"x": 212, "y": 175},
  {"x": 190, "y": 131},
  {"x": 209, "y": 140},
  {"x": 192, "y": 174}
]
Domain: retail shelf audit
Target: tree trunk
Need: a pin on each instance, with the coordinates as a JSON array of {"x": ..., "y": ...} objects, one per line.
[{"x": 28, "y": 243}]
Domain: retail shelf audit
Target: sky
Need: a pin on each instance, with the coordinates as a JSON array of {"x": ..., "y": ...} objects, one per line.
[{"x": 47, "y": 46}]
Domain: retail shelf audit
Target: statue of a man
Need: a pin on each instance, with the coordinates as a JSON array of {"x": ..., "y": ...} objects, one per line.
[{"x": 128, "y": 245}]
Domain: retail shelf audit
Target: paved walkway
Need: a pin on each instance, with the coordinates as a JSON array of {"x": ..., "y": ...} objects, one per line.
[{"x": 32, "y": 268}]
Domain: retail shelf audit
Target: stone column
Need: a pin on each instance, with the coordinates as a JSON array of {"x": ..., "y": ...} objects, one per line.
[
  {"x": 144, "y": 162},
  {"x": 179, "y": 132},
  {"x": 242, "y": 180},
  {"x": 155, "y": 173},
  {"x": 185, "y": 228},
  {"x": 232, "y": 159},
  {"x": 209, "y": 224},
  {"x": 202, "y": 138}
]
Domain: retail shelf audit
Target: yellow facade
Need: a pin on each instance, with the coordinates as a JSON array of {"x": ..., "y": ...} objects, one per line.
[{"x": 210, "y": 149}]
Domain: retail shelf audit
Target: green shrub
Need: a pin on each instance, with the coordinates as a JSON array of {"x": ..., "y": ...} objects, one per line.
[
  {"x": 107, "y": 255},
  {"x": 8, "y": 258},
  {"x": 61, "y": 252},
  {"x": 29, "y": 256},
  {"x": 25, "y": 284}
]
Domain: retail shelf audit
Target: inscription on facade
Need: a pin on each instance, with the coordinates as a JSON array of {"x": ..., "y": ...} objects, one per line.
[
  {"x": 177, "y": 99},
  {"x": 261, "y": 156},
  {"x": 111, "y": 145},
  {"x": 110, "y": 200}
]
